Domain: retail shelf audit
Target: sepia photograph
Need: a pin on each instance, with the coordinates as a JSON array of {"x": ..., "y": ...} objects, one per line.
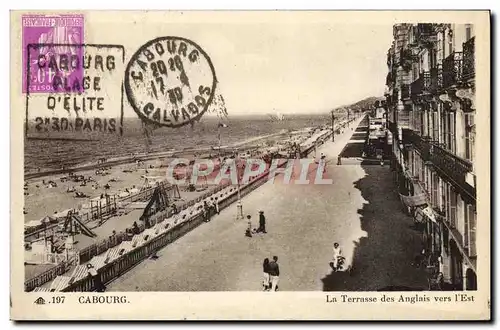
[{"x": 259, "y": 153}]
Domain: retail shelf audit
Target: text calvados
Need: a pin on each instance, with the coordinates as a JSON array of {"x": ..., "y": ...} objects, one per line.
[{"x": 170, "y": 81}]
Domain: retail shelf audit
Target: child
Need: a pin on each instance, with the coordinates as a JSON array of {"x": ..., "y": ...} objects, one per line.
[{"x": 248, "y": 232}]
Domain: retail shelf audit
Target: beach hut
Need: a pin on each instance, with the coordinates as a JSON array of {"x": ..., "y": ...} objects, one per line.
[
  {"x": 80, "y": 272},
  {"x": 59, "y": 283},
  {"x": 48, "y": 220}
]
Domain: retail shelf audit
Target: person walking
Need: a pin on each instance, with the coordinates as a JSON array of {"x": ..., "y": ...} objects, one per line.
[
  {"x": 98, "y": 285},
  {"x": 266, "y": 282},
  {"x": 262, "y": 223},
  {"x": 217, "y": 205},
  {"x": 206, "y": 211},
  {"x": 274, "y": 273},
  {"x": 337, "y": 252}
]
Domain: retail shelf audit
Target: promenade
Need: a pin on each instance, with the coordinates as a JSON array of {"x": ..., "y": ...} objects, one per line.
[{"x": 359, "y": 210}]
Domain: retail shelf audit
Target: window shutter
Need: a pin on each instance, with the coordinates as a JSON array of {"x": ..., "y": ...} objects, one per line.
[
  {"x": 435, "y": 186},
  {"x": 472, "y": 229},
  {"x": 453, "y": 208},
  {"x": 466, "y": 227}
]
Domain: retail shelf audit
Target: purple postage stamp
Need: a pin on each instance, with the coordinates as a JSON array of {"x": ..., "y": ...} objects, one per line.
[{"x": 47, "y": 46}]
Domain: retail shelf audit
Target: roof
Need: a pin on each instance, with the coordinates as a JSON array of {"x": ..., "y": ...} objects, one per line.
[
  {"x": 80, "y": 272},
  {"x": 98, "y": 261},
  {"x": 59, "y": 283},
  {"x": 113, "y": 254},
  {"x": 39, "y": 289}
]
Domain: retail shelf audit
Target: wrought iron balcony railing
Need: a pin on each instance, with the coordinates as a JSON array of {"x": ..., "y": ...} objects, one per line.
[
  {"x": 453, "y": 168},
  {"x": 427, "y": 83},
  {"x": 393, "y": 128},
  {"x": 439, "y": 77},
  {"x": 469, "y": 66},
  {"x": 452, "y": 70},
  {"x": 403, "y": 118},
  {"x": 425, "y": 34},
  {"x": 405, "y": 91},
  {"x": 422, "y": 144}
]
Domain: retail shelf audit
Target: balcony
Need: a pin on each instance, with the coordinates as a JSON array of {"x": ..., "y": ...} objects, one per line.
[
  {"x": 453, "y": 169},
  {"x": 426, "y": 83},
  {"x": 439, "y": 77},
  {"x": 405, "y": 92},
  {"x": 424, "y": 35},
  {"x": 403, "y": 118},
  {"x": 469, "y": 66},
  {"x": 452, "y": 70},
  {"x": 422, "y": 145},
  {"x": 393, "y": 128}
]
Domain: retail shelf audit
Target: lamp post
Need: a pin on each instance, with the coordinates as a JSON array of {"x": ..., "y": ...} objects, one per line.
[
  {"x": 333, "y": 127},
  {"x": 239, "y": 206}
]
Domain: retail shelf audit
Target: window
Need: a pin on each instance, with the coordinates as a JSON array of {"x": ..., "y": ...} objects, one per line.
[
  {"x": 472, "y": 216},
  {"x": 433, "y": 58},
  {"x": 442, "y": 191},
  {"x": 435, "y": 126},
  {"x": 469, "y": 136},
  {"x": 450, "y": 41},
  {"x": 428, "y": 114},
  {"x": 421, "y": 126},
  {"x": 435, "y": 186},
  {"x": 466, "y": 226},
  {"x": 468, "y": 31},
  {"x": 447, "y": 131},
  {"x": 453, "y": 208},
  {"x": 442, "y": 138},
  {"x": 452, "y": 133},
  {"x": 446, "y": 201},
  {"x": 440, "y": 47}
]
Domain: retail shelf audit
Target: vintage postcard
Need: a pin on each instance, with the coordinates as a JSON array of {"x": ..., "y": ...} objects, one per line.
[{"x": 261, "y": 165}]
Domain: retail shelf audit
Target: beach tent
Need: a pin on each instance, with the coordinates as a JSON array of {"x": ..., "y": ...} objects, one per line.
[
  {"x": 48, "y": 219},
  {"x": 63, "y": 214}
]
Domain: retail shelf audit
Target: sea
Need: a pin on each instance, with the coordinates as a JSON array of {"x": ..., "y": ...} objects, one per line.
[{"x": 52, "y": 154}]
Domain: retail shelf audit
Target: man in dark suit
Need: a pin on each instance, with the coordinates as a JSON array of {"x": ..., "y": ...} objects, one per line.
[
  {"x": 274, "y": 273},
  {"x": 262, "y": 223}
]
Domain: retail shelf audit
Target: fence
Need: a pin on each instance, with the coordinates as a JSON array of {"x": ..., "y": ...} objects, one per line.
[
  {"x": 39, "y": 232},
  {"x": 49, "y": 275},
  {"x": 128, "y": 260}
]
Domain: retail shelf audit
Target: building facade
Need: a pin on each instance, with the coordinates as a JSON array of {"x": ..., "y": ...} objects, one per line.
[{"x": 430, "y": 99}]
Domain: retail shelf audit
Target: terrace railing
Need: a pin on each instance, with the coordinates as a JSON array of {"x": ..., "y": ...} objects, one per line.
[
  {"x": 469, "y": 65},
  {"x": 454, "y": 169},
  {"x": 452, "y": 70}
]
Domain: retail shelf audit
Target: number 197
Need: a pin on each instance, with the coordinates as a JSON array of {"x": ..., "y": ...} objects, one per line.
[{"x": 58, "y": 300}]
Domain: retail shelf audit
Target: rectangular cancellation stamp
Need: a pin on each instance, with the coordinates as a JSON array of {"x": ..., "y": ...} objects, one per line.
[
  {"x": 89, "y": 107},
  {"x": 58, "y": 30}
]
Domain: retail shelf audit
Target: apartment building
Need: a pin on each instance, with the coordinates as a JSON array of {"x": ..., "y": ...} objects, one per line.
[{"x": 431, "y": 107}]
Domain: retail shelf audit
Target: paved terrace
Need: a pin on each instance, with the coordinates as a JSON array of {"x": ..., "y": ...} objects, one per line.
[{"x": 359, "y": 210}]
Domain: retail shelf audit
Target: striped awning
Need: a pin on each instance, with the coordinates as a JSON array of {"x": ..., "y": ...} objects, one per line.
[
  {"x": 423, "y": 213},
  {"x": 415, "y": 200}
]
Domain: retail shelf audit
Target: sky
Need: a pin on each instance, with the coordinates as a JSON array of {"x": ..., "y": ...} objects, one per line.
[
  {"x": 295, "y": 68},
  {"x": 290, "y": 62},
  {"x": 287, "y": 62}
]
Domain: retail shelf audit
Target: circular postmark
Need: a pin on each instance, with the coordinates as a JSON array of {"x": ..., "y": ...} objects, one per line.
[{"x": 170, "y": 81}]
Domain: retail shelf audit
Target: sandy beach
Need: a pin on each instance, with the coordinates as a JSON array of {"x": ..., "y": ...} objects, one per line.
[{"x": 43, "y": 199}]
